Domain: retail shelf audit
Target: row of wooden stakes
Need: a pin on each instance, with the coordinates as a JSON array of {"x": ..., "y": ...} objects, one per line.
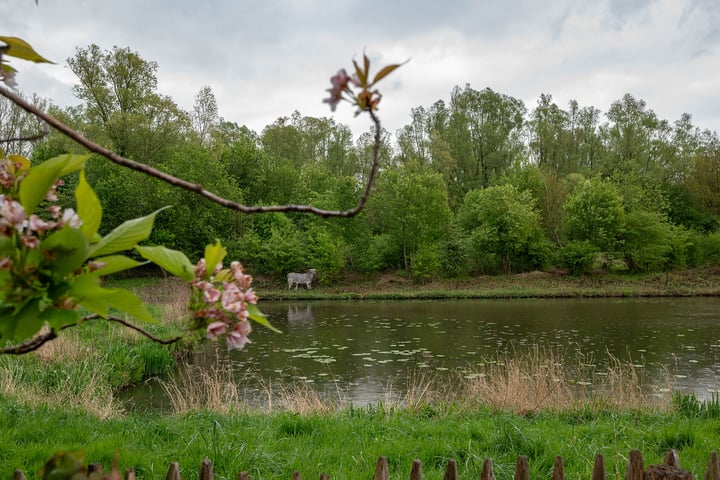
[{"x": 669, "y": 470}]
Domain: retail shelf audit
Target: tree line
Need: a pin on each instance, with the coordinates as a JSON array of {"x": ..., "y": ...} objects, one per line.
[{"x": 475, "y": 184}]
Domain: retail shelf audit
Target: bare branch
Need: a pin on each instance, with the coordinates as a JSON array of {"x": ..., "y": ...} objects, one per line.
[
  {"x": 44, "y": 131},
  {"x": 196, "y": 187},
  {"x": 38, "y": 341},
  {"x": 136, "y": 328}
]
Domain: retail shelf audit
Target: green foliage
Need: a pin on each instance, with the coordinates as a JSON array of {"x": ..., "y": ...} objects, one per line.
[
  {"x": 426, "y": 263},
  {"x": 578, "y": 256},
  {"x": 503, "y": 222},
  {"x": 594, "y": 212}
]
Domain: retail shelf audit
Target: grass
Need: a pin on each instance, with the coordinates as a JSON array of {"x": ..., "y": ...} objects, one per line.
[
  {"x": 347, "y": 443},
  {"x": 690, "y": 282},
  {"x": 64, "y": 397}
]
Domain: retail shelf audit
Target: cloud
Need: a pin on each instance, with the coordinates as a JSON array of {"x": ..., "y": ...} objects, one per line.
[{"x": 267, "y": 59}]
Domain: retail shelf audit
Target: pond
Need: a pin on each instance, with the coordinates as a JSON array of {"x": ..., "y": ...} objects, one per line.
[{"x": 371, "y": 347}]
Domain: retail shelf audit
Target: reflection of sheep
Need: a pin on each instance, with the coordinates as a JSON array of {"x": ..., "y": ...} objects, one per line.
[
  {"x": 298, "y": 278},
  {"x": 296, "y": 315}
]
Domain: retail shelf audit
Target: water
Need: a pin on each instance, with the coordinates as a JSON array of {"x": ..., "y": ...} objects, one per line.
[{"x": 369, "y": 348}]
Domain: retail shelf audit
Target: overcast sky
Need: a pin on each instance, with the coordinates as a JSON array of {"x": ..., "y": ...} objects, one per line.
[{"x": 266, "y": 58}]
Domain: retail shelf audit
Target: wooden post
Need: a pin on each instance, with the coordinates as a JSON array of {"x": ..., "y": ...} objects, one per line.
[
  {"x": 381, "y": 470},
  {"x": 130, "y": 474},
  {"x": 296, "y": 475},
  {"x": 636, "y": 467},
  {"x": 416, "y": 471},
  {"x": 713, "y": 467},
  {"x": 451, "y": 470},
  {"x": 599, "y": 468},
  {"x": 206, "y": 470},
  {"x": 487, "y": 470},
  {"x": 672, "y": 459},
  {"x": 173, "y": 472},
  {"x": 522, "y": 470},
  {"x": 18, "y": 475},
  {"x": 558, "y": 469},
  {"x": 325, "y": 476},
  {"x": 243, "y": 476}
]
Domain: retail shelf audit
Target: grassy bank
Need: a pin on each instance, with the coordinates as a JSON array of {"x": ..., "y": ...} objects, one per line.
[
  {"x": 346, "y": 443},
  {"x": 693, "y": 282}
]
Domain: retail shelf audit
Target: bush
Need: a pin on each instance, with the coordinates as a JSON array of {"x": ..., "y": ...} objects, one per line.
[
  {"x": 578, "y": 256},
  {"x": 426, "y": 262}
]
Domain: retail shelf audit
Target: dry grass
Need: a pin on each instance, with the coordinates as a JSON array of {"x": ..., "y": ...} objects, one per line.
[
  {"x": 94, "y": 396},
  {"x": 541, "y": 380}
]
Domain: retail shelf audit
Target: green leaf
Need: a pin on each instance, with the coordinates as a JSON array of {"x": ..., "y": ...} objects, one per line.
[
  {"x": 125, "y": 236},
  {"x": 214, "y": 254},
  {"x": 173, "y": 261},
  {"x": 86, "y": 288},
  {"x": 384, "y": 72},
  {"x": 88, "y": 207},
  {"x": 115, "y": 263},
  {"x": 40, "y": 178},
  {"x": 57, "y": 318},
  {"x": 68, "y": 247},
  {"x": 19, "y": 48},
  {"x": 257, "y": 316},
  {"x": 27, "y": 322}
]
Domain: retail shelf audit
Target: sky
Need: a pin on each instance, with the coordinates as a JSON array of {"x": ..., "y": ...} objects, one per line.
[{"x": 265, "y": 59}]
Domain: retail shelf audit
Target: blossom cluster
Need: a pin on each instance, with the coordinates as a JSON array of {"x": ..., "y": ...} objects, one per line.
[
  {"x": 220, "y": 298},
  {"x": 15, "y": 223}
]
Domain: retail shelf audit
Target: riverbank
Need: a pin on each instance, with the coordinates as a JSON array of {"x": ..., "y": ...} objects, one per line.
[{"x": 691, "y": 282}]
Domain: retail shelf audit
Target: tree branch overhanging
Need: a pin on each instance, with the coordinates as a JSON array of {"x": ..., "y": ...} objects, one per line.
[
  {"x": 196, "y": 187},
  {"x": 38, "y": 341}
]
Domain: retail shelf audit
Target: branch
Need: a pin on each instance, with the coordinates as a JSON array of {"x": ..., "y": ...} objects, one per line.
[
  {"x": 44, "y": 131},
  {"x": 38, "y": 341},
  {"x": 196, "y": 187}
]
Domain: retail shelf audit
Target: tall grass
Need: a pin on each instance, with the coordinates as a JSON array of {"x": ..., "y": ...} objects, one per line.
[{"x": 542, "y": 380}]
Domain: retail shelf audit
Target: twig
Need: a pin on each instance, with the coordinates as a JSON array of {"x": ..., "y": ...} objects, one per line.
[
  {"x": 38, "y": 341},
  {"x": 196, "y": 187},
  {"x": 44, "y": 131}
]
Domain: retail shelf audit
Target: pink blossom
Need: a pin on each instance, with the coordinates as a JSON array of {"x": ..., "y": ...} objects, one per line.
[
  {"x": 232, "y": 299},
  {"x": 251, "y": 296},
  {"x": 339, "y": 85},
  {"x": 94, "y": 265},
  {"x": 237, "y": 338},
  {"x": 200, "y": 268},
  {"x": 211, "y": 294},
  {"x": 12, "y": 215},
  {"x": 70, "y": 218},
  {"x": 215, "y": 329},
  {"x": 30, "y": 241},
  {"x": 8, "y": 76},
  {"x": 36, "y": 224},
  {"x": 55, "y": 210},
  {"x": 5, "y": 263}
]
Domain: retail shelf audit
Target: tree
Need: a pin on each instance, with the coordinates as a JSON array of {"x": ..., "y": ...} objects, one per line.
[
  {"x": 50, "y": 269},
  {"x": 594, "y": 212},
  {"x": 503, "y": 222},
  {"x": 411, "y": 205},
  {"x": 205, "y": 116}
]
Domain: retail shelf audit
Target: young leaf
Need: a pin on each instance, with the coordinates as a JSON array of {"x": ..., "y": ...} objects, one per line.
[
  {"x": 257, "y": 316},
  {"x": 362, "y": 77},
  {"x": 59, "y": 317},
  {"x": 67, "y": 247},
  {"x": 366, "y": 64},
  {"x": 173, "y": 261},
  {"x": 27, "y": 322},
  {"x": 126, "y": 236},
  {"x": 21, "y": 49},
  {"x": 88, "y": 207},
  {"x": 116, "y": 263},
  {"x": 385, "y": 71},
  {"x": 97, "y": 299},
  {"x": 214, "y": 254},
  {"x": 40, "y": 178}
]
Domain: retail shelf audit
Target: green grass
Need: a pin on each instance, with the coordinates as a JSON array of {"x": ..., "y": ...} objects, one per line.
[{"x": 346, "y": 444}]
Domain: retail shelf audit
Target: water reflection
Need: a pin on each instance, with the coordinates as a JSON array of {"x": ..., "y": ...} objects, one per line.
[{"x": 367, "y": 348}]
